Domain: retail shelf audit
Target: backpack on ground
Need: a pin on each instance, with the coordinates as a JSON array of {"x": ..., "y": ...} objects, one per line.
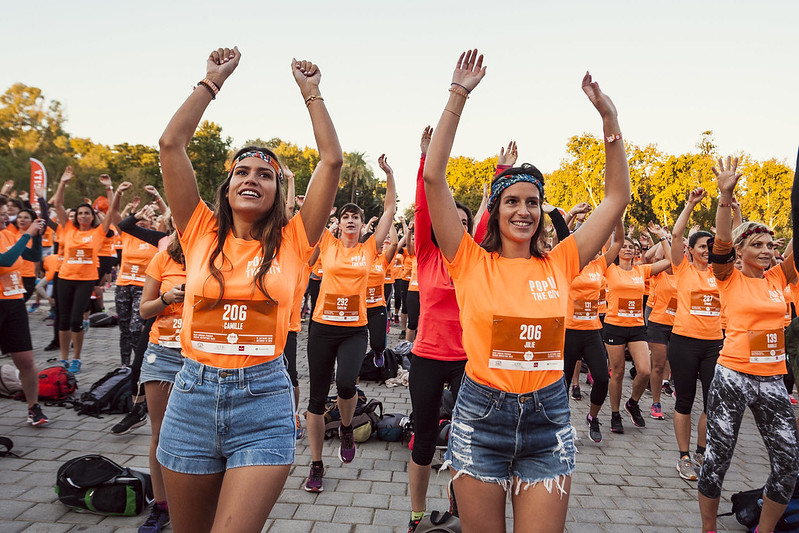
[
  {"x": 437, "y": 522},
  {"x": 111, "y": 394},
  {"x": 10, "y": 385},
  {"x": 56, "y": 384},
  {"x": 102, "y": 320},
  {"x": 97, "y": 484},
  {"x": 369, "y": 372},
  {"x": 392, "y": 427},
  {"x": 747, "y": 505},
  {"x": 364, "y": 421}
]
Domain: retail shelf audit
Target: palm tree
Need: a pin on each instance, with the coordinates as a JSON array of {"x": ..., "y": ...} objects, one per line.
[{"x": 356, "y": 170}]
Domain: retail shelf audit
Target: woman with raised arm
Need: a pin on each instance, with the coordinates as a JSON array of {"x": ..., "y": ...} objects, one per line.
[
  {"x": 752, "y": 360},
  {"x": 243, "y": 260},
  {"x": 338, "y": 334},
  {"x": 513, "y": 290},
  {"x": 82, "y": 240},
  {"x": 696, "y": 337}
]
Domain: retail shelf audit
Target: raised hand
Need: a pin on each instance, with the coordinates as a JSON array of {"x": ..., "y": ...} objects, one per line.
[
  {"x": 382, "y": 161},
  {"x": 727, "y": 175},
  {"x": 655, "y": 229},
  {"x": 40, "y": 192},
  {"x": 508, "y": 157},
  {"x": 150, "y": 189},
  {"x": 148, "y": 211},
  {"x": 427, "y": 134},
  {"x": 697, "y": 195},
  {"x": 547, "y": 208},
  {"x": 601, "y": 101},
  {"x": 105, "y": 179},
  {"x": 221, "y": 64},
  {"x": 469, "y": 70},
  {"x": 24, "y": 196},
  {"x": 124, "y": 186},
  {"x": 695, "y": 228},
  {"x": 288, "y": 174},
  {"x": 307, "y": 75},
  {"x": 580, "y": 210},
  {"x": 67, "y": 175},
  {"x": 7, "y": 186},
  {"x": 36, "y": 228}
]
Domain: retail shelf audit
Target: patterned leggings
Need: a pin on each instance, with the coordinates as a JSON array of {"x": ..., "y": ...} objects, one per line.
[
  {"x": 730, "y": 393},
  {"x": 127, "y": 299}
]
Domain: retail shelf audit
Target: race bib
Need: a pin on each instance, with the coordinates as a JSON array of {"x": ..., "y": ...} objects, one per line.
[
  {"x": 132, "y": 272},
  {"x": 671, "y": 308},
  {"x": 767, "y": 346},
  {"x": 705, "y": 303},
  {"x": 374, "y": 295},
  {"x": 631, "y": 307},
  {"x": 527, "y": 343},
  {"x": 338, "y": 308},
  {"x": 80, "y": 256},
  {"x": 11, "y": 283},
  {"x": 234, "y": 327},
  {"x": 169, "y": 327},
  {"x": 602, "y": 299},
  {"x": 585, "y": 309}
]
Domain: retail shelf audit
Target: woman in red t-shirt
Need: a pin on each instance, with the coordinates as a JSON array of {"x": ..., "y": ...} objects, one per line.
[{"x": 511, "y": 431}]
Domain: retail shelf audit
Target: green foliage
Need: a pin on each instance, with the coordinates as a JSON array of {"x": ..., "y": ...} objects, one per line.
[
  {"x": 466, "y": 177},
  {"x": 208, "y": 152},
  {"x": 765, "y": 193}
]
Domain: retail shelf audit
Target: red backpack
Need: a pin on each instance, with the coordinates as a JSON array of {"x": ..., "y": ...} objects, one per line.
[{"x": 56, "y": 384}]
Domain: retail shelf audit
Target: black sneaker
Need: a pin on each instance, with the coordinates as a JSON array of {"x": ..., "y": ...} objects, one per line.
[
  {"x": 667, "y": 390},
  {"x": 593, "y": 428},
  {"x": 635, "y": 413},
  {"x": 52, "y": 347},
  {"x": 157, "y": 521},
  {"x": 576, "y": 394},
  {"x": 402, "y": 335},
  {"x": 453, "y": 504},
  {"x": 615, "y": 423},
  {"x": 35, "y": 415},
  {"x": 135, "y": 419}
]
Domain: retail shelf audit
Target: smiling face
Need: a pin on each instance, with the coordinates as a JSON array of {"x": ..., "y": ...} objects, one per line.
[
  {"x": 627, "y": 252},
  {"x": 24, "y": 220},
  {"x": 757, "y": 251},
  {"x": 519, "y": 212},
  {"x": 700, "y": 252},
  {"x": 252, "y": 187}
]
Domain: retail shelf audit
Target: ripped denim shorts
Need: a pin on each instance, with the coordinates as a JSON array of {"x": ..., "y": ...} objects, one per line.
[{"x": 502, "y": 437}]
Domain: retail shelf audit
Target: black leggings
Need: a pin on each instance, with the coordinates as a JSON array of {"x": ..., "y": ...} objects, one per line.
[
  {"x": 377, "y": 328},
  {"x": 587, "y": 345},
  {"x": 426, "y": 383},
  {"x": 73, "y": 300},
  {"x": 313, "y": 290},
  {"x": 388, "y": 289},
  {"x": 30, "y": 286},
  {"x": 690, "y": 358},
  {"x": 400, "y": 289},
  {"x": 137, "y": 389},
  {"x": 328, "y": 345},
  {"x": 290, "y": 357},
  {"x": 412, "y": 301}
]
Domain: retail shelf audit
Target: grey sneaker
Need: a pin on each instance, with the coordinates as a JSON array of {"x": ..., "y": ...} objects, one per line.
[
  {"x": 686, "y": 468},
  {"x": 698, "y": 460}
]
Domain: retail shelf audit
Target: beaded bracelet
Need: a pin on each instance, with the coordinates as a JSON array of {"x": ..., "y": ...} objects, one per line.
[
  {"x": 312, "y": 98},
  {"x": 212, "y": 87},
  {"x": 459, "y": 89},
  {"x": 613, "y": 137}
]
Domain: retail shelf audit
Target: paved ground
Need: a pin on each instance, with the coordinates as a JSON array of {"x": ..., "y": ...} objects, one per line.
[{"x": 627, "y": 483}]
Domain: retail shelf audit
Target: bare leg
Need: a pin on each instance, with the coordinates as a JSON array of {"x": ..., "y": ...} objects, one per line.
[
  {"x": 481, "y": 506},
  {"x": 410, "y": 335},
  {"x": 77, "y": 343},
  {"x": 28, "y": 375},
  {"x": 316, "y": 434},
  {"x": 527, "y": 505},
  {"x": 770, "y": 515},
  {"x": 418, "y": 481},
  {"x": 658, "y": 357},
  {"x": 616, "y": 360},
  {"x": 576, "y": 374},
  {"x": 708, "y": 508},
  {"x": 701, "y": 431},
  {"x": 640, "y": 354},
  {"x": 64, "y": 338},
  {"x": 682, "y": 430},
  {"x": 157, "y": 393},
  {"x": 192, "y": 500},
  {"x": 261, "y": 484},
  {"x": 347, "y": 409}
]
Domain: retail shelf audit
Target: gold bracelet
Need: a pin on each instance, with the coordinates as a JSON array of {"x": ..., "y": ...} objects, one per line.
[
  {"x": 453, "y": 112},
  {"x": 312, "y": 98}
]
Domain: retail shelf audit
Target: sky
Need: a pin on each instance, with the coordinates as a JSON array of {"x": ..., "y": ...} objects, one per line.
[{"x": 673, "y": 69}]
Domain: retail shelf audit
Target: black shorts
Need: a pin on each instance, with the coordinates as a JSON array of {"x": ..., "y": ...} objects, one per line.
[
  {"x": 15, "y": 334},
  {"x": 658, "y": 333},
  {"x": 106, "y": 264},
  {"x": 621, "y": 335}
]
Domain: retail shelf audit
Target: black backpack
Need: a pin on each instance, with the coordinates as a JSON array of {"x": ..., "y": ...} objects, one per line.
[
  {"x": 747, "y": 505},
  {"x": 111, "y": 394},
  {"x": 369, "y": 372},
  {"x": 97, "y": 484}
]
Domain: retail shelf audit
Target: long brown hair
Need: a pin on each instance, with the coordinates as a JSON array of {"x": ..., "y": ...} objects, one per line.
[
  {"x": 492, "y": 242},
  {"x": 267, "y": 230}
]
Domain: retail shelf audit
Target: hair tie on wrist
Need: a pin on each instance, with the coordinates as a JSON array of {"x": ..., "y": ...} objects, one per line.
[
  {"x": 164, "y": 300},
  {"x": 212, "y": 87}
]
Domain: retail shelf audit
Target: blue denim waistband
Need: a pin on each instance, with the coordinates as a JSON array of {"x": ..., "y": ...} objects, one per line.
[{"x": 232, "y": 375}]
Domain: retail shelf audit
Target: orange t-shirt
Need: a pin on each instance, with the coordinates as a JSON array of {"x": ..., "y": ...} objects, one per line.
[
  {"x": 513, "y": 314},
  {"x": 582, "y": 312},
  {"x": 698, "y": 305},
  {"x": 136, "y": 255},
  {"x": 81, "y": 253},
  {"x": 788, "y": 293},
  {"x": 342, "y": 293},
  {"x": 755, "y": 335},
  {"x": 295, "y": 321},
  {"x": 396, "y": 265},
  {"x": 376, "y": 281},
  {"x": 169, "y": 322},
  {"x": 48, "y": 237},
  {"x": 664, "y": 299},
  {"x": 317, "y": 267},
  {"x": 413, "y": 283},
  {"x": 625, "y": 295},
  {"x": 108, "y": 249},
  {"x": 51, "y": 264},
  {"x": 11, "y": 287},
  {"x": 407, "y": 266},
  {"x": 244, "y": 329}
]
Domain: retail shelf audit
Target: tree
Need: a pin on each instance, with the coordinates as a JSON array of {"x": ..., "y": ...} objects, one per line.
[
  {"x": 581, "y": 175},
  {"x": 765, "y": 193},
  {"x": 208, "y": 152},
  {"x": 466, "y": 176}
]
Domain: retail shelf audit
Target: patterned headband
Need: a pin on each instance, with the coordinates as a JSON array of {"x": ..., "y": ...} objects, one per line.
[
  {"x": 506, "y": 181},
  {"x": 753, "y": 231},
  {"x": 259, "y": 155}
]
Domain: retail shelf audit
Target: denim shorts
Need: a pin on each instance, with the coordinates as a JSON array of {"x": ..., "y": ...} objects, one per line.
[
  {"x": 497, "y": 436},
  {"x": 218, "y": 418},
  {"x": 160, "y": 364}
]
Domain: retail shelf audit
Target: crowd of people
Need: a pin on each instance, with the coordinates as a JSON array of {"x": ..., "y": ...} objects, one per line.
[{"x": 503, "y": 309}]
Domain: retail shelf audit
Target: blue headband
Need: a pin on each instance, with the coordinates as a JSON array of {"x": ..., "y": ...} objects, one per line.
[{"x": 506, "y": 181}]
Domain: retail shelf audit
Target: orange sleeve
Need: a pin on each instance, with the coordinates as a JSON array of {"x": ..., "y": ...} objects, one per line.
[{"x": 722, "y": 271}]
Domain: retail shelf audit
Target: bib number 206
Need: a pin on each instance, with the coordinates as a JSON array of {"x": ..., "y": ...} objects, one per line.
[
  {"x": 235, "y": 312},
  {"x": 530, "y": 332}
]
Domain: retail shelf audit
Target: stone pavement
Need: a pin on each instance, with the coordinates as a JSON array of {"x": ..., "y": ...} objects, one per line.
[{"x": 626, "y": 483}]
